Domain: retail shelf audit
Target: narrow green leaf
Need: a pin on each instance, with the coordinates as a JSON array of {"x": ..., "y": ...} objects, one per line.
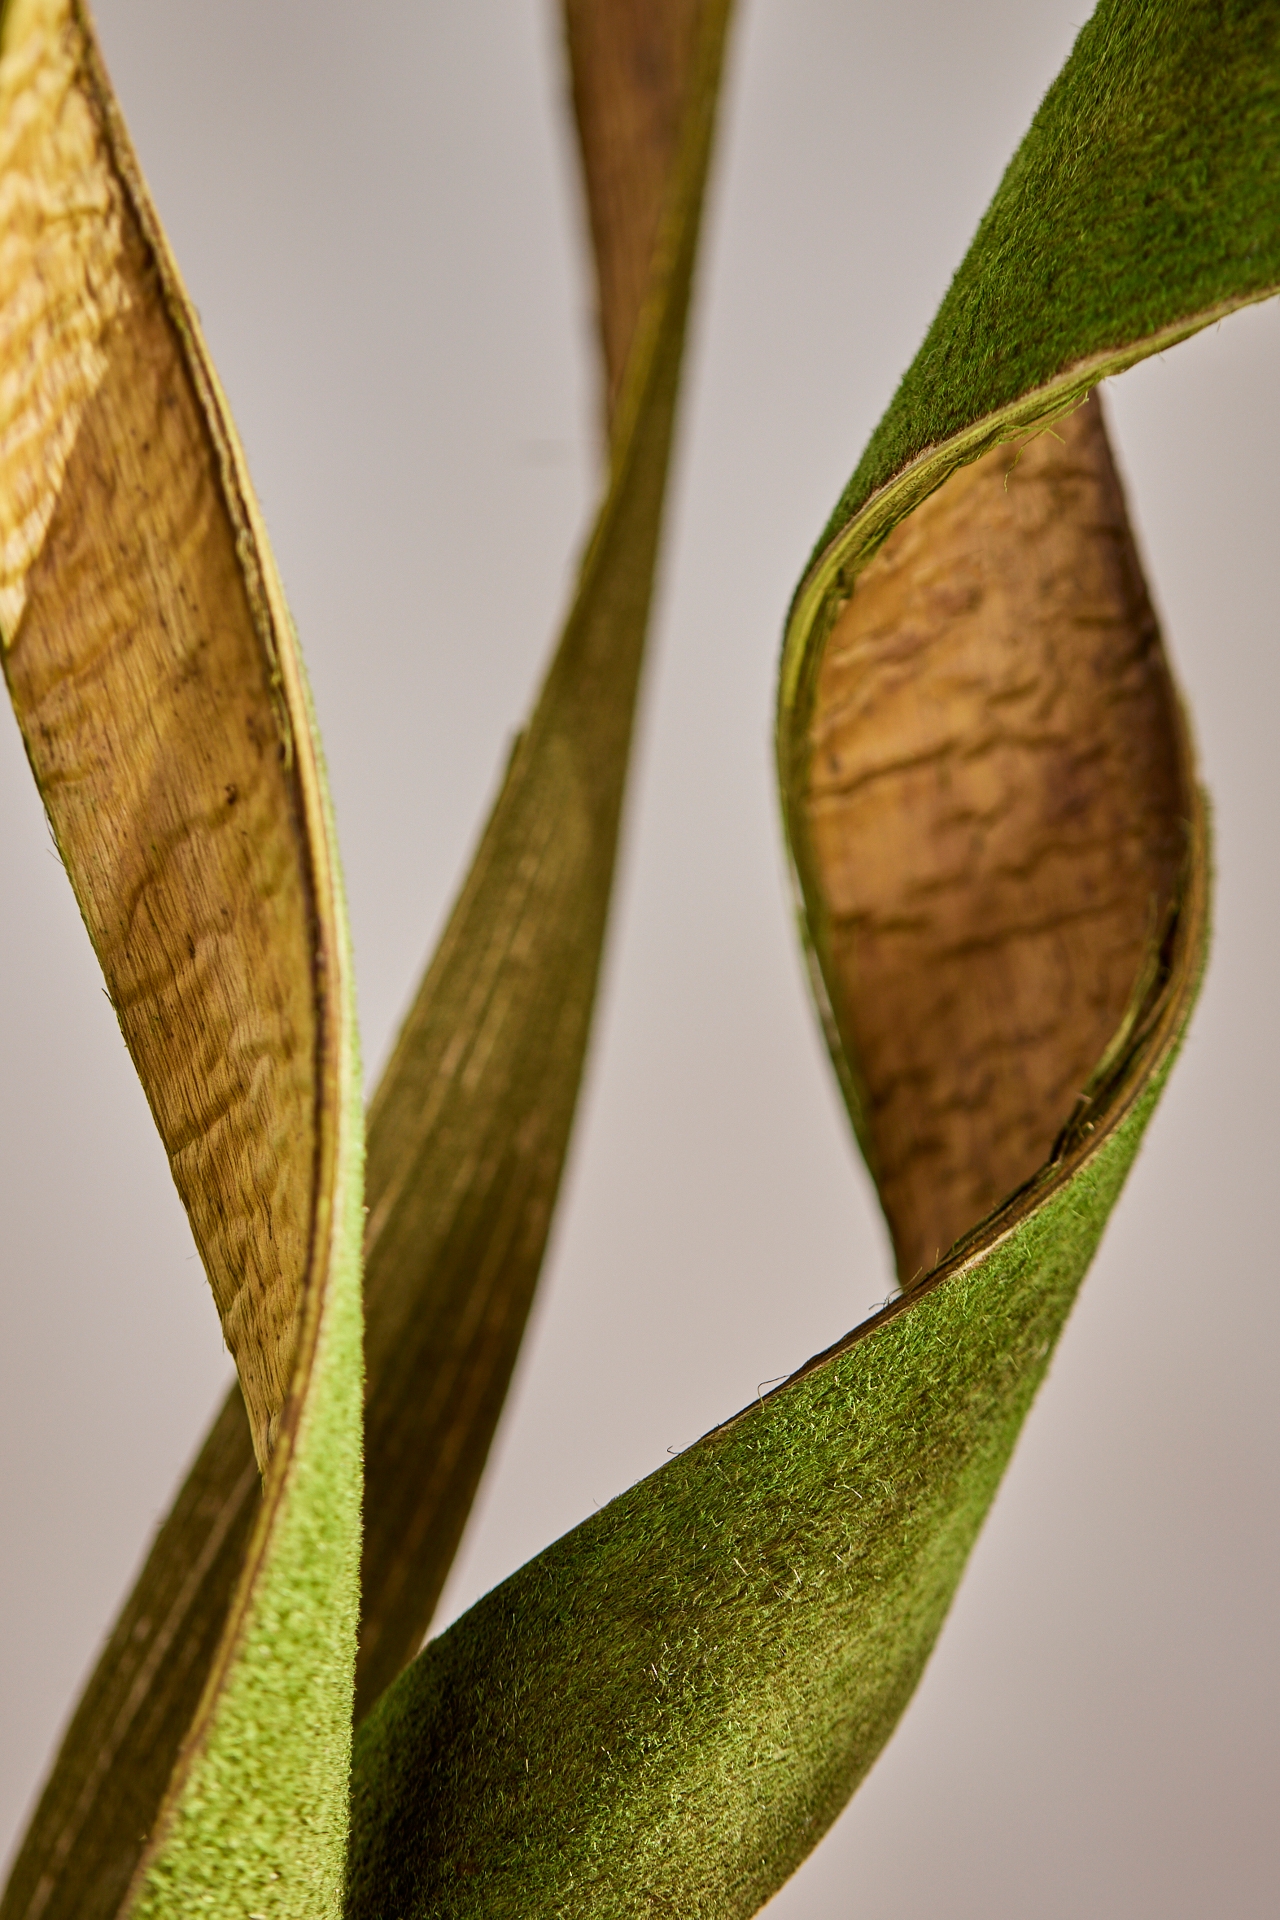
[
  {"x": 666, "y": 1709},
  {"x": 155, "y": 676}
]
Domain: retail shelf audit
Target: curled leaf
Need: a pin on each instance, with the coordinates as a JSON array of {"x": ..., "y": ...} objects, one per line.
[
  {"x": 154, "y": 673},
  {"x": 993, "y": 796},
  {"x": 991, "y": 805}
]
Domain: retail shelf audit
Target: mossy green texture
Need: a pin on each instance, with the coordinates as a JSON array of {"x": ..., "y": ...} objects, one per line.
[
  {"x": 260, "y": 1824},
  {"x": 1146, "y": 191},
  {"x": 665, "y": 1711}
]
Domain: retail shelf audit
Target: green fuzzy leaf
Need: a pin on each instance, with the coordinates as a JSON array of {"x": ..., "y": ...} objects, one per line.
[{"x": 666, "y": 1709}]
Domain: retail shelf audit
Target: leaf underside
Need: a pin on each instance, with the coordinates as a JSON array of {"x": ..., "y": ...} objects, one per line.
[
  {"x": 1000, "y": 848},
  {"x": 469, "y": 1129}
]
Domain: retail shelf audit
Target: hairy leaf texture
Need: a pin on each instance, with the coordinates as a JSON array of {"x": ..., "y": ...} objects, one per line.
[{"x": 1001, "y": 856}]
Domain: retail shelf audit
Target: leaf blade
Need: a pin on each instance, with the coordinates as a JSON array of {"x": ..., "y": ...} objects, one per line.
[
  {"x": 667, "y": 1708},
  {"x": 513, "y": 982},
  {"x": 701, "y": 1674},
  {"x": 154, "y": 673}
]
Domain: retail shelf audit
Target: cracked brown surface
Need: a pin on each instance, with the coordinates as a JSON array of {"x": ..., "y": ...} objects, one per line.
[{"x": 997, "y": 805}]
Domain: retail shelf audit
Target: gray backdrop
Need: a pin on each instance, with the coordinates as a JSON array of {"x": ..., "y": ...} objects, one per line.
[{"x": 377, "y": 212}]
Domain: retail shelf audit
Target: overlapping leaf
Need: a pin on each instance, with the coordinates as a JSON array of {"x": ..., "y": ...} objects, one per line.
[{"x": 991, "y": 805}]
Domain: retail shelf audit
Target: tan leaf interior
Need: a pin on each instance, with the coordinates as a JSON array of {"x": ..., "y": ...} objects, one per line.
[
  {"x": 141, "y": 672},
  {"x": 998, "y": 804}
]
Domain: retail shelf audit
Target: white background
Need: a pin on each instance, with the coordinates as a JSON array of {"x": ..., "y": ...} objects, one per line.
[{"x": 378, "y": 216}]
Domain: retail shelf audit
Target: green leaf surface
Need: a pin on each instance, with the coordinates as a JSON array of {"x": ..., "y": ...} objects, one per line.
[{"x": 666, "y": 1709}]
